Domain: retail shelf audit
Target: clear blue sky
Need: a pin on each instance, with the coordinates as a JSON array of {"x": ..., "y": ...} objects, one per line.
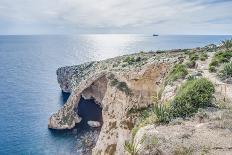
[{"x": 115, "y": 16}]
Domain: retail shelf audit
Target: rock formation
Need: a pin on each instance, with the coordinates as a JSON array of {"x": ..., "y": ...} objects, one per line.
[{"x": 118, "y": 85}]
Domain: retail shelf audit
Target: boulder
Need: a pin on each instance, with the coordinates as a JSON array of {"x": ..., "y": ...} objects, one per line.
[{"x": 94, "y": 124}]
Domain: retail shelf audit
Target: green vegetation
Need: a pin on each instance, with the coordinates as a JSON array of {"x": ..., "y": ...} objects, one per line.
[
  {"x": 191, "y": 64},
  {"x": 178, "y": 71},
  {"x": 227, "y": 44},
  {"x": 212, "y": 69},
  {"x": 122, "y": 86},
  {"x": 132, "y": 147},
  {"x": 161, "y": 112},
  {"x": 226, "y": 72},
  {"x": 219, "y": 58},
  {"x": 214, "y": 63},
  {"x": 203, "y": 56},
  {"x": 192, "y": 95},
  {"x": 193, "y": 56},
  {"x": 129, "y": 60},
  {"x": 223, "y": 56}
]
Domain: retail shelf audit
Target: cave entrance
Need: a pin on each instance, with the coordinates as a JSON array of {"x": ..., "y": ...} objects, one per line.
[{"x": 89, "y": 110}]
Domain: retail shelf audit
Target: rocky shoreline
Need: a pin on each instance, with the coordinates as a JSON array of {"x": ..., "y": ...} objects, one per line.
[{"x": 119, "y": 85}]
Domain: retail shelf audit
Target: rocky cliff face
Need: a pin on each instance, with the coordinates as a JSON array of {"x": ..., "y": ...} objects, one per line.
[{"x": 118, "y": 85}]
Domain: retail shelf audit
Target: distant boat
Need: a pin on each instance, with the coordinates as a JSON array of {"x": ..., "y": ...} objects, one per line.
[{"x": 155, "y": 35}]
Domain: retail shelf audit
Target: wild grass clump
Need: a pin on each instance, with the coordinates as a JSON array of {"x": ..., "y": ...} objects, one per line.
[
  {"x": 226, "y": 72},
  {"x": 218, "y": 59},
  {"x": 191, "y": 96},
  {"x": 223, "y": 56},
  {"x": 191, "y": 64},
  {"x": 178, "y": 71},
  {"x": 193, "y": 56},
  {"x": 212, "y": 69},
  {"x": 227, "y": 44},
  {"x": 203, "y": 56},
  {"x": 162, "y": 113},
  {"x": 131, "y": 146}
]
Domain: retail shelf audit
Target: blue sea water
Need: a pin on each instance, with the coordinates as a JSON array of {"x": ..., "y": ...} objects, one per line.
[{"x": 29, "y": 92}]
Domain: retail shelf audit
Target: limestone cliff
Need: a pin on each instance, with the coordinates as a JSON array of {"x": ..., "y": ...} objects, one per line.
[{"x": 118, "y": 85}]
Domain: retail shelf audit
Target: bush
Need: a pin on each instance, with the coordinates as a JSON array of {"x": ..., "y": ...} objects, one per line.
[
  {"x": 223, "y": 56},
  {"x": 212, "y": 69},
  {"x": 191, "y": 64},
  {"x": 227, "y": 43},
  {"x": 122, "y": 86},
  {"x": 192, "y": 95},
  {"x": 129, "y": 60},
  {"x": 193, "y": 56},
  {"x": 214, "y": 63},
  {"x": 226, "y": 72},
  {"x": 177, "y": 72},
  {"x": 203, "y": 56}
]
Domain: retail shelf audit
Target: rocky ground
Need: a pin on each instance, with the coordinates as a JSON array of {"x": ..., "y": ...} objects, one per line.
[{"x": 207, "y": 132}]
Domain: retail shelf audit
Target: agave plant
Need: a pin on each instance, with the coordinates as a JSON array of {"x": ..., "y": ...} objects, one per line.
[
  {"x": 227, "y": 44},
  {"x": 132, "y": 146},
  {"x": 161, "y": 112}
]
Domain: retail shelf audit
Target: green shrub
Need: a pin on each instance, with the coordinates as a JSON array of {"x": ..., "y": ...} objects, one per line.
[
  {"x": 192, "y": 95},
  {"x": 178, "y": 71},
  {"x": 203, "y": 56},
  {"x": 214, "y": 63},
  {"x": 114, "y": 82},
  {"x": 129, "y": 60},
  {"x": 227, "y": 43},
  {"x": 131, "y": 147},
  {"x": 212, "y": 69},
  {"x": 193, "y": 56},
  {"x": 223, "y": 56},
  {"x": 122, "y": 86},
  {"x": 191, "y": 64},
  {"x": 161, "y": 112},
  {"x": 190, "y": 77},
  {"x": 226, "y": 72}
]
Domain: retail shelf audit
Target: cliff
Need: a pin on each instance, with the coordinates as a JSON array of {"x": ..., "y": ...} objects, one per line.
[
  {"x": 118, "y": 85},
  {"x": 127, "y": 86}
]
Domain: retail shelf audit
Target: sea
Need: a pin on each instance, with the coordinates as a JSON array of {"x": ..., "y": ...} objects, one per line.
[{"x": 29, "y": 92}]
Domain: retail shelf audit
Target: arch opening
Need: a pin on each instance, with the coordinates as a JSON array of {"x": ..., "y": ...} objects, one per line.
[{"x": 89, "y": 110}]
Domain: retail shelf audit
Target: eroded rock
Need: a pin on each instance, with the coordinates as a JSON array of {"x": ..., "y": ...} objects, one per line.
[{"x": 117, "y": 85}]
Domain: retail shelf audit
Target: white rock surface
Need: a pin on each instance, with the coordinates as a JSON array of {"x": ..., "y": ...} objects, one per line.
[{"x": 94, "y": 124}]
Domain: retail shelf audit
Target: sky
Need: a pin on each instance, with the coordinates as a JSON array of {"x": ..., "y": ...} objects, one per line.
[{"x": 115, "y": 16}]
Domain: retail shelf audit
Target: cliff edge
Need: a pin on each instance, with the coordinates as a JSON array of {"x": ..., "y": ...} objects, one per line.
[{"x": 118, "y": 85}]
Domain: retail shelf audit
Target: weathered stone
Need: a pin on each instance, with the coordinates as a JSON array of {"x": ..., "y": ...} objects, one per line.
[
  {"x": 116, "y": 88},
  {"x": 94, "y": 124}
]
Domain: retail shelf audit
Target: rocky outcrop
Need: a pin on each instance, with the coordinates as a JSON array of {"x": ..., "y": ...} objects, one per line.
[{"x": 117, "y": 85}]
